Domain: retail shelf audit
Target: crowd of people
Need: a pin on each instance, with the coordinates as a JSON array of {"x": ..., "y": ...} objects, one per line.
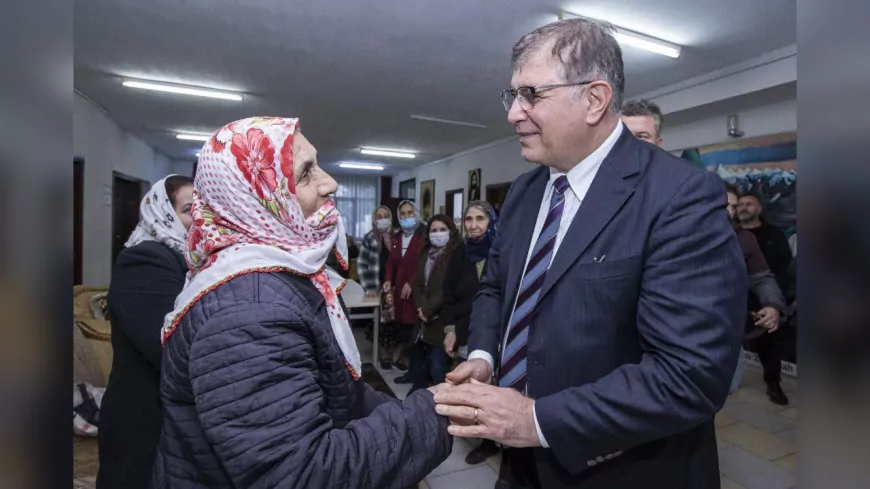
[{"x": 591, "y": 344}]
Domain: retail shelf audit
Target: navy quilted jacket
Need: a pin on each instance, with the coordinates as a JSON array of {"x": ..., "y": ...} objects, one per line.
[{"x": 256, "y": 395}]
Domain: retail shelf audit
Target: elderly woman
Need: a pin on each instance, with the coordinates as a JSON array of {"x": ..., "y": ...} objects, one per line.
[
  {"x": 147, "y": 276},
  {"x": 261, "y": 381}
]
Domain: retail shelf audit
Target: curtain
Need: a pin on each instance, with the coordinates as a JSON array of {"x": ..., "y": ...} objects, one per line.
[{"x": 356, "y": 199}]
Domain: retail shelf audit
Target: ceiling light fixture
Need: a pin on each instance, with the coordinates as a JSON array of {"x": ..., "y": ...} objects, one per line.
[
  {"x": 194, "y": 137},
  {"x": 636, "y": 39},
  {"x": 361, "y": 166},
  {"x": 387, "y": 152},
  {"x": 182, "y": 89},
  {"x": 197, "y": 154},
  {"x": 447, "y": 121}
]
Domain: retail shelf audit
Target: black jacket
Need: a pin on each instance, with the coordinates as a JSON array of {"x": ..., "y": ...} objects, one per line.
[
  {"x": 460, "y": 285},
  {"x": 146, "y": 279}
]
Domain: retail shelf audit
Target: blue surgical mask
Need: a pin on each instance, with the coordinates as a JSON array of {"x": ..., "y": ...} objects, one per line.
[{"x": 408, "y": 223}]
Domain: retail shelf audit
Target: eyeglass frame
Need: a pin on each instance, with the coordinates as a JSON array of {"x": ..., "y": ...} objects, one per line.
[{"x": 534, "y": 90}]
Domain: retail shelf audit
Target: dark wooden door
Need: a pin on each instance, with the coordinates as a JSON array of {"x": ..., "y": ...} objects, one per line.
[
  {"x": 126, "y": 196},
  {"x": 78, "y": 213},
  {"x": 496, "y": 194}
]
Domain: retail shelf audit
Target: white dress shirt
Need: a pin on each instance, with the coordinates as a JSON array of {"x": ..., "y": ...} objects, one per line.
[{"x": 580, "y": 179}]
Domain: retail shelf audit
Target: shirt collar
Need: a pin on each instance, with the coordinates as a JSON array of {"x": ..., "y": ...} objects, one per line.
[{"x": 580, "y": 177}]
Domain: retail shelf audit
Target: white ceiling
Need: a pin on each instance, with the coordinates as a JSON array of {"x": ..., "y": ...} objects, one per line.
[{"x": 354, "y": 71}]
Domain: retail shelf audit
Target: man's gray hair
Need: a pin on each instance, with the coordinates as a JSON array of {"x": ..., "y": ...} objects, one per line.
[
  {"x": 642, "y": 107},
  {"x": 586, "y": 49}
]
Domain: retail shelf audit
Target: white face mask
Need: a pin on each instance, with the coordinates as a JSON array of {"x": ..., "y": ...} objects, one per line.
[
  {"x": 439, "y": 238},
  {"x": 383, "y": 224}
]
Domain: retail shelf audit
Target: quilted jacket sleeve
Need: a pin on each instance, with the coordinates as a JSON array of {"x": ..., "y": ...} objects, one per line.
[{"x": 255, "y": 380}]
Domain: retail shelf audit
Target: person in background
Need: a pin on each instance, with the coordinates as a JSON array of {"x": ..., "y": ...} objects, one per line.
[
  {"x": 763, "y": 287},
  {"x": 372, "y": 266},
  {"x": 147, "y": 276},
  {"x": 352, "y": 254},
  {"x": 262, "y": 383},
  {"x": 480, "y": 223},
  {"x": 399, "y": 279},
  {"x": 778, "y": 255},
  {"x": 442, "y": 256},
  {"x": 644, "y": 119}
]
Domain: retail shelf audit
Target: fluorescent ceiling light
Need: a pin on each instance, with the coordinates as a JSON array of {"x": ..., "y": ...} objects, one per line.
[
  {"x": 182, "y": 89},
  {"x": 447, "y": 121},
  {"x": 194, "y": 137},
  {"x": 197, "y": 154},
  {"x": 387, "y": 152},
  {"x": 637, "y": 40},
  {"x": 361, "y": 166}
]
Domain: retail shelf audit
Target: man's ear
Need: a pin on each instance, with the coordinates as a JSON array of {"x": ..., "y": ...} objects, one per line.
[{"x": 598, "y": 96}]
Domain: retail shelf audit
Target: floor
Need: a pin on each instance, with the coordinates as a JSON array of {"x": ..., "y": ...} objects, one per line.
[{"x": 756, "y": 440}]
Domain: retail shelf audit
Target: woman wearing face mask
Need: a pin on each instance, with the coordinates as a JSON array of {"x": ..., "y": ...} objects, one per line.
[
  {"x": 480, "y": 223},
  {"x": 147, "y": 276},
  {"x": 372, "y": 272},
  {"x": 443, "y": 256},
  {"x": 262, "y": 386},
  {"x": 399, "y": 279}
]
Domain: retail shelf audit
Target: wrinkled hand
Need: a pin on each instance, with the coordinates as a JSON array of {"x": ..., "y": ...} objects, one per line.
[
  {"x": 767, "y": 318},
  {"x": 450, "y": 344},
  {"x": 502, "y": 414},
  {"x": 421, "y": 315},
  {"x": 406, "y": 291},
  {"x": 477, "y": 369},
  {"x": 438, "y": 388},
  {"x": 371, "y": 294},
  {"x": 387, "y": 286}
]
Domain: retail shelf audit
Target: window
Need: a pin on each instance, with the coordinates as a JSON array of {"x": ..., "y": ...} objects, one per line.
[{"x": 356, "y": 199}]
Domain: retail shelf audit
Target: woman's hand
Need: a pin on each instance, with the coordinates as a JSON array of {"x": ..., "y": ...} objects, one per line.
[
  {"x": 435, "y": 388},
  {"x": 387, "y": 286},
  {"x": 371, "y": 294},
  {"x": 421, "y": 315},
  {"x": 450, "y": 344},
  {"x": 406, "y": 291}
]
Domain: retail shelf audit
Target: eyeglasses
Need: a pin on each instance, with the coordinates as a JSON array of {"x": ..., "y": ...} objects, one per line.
[{"x": 526, "y": 95}]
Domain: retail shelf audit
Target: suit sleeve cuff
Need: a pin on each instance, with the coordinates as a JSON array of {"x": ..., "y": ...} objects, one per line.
[
  {"x": 538, "y": 429},
  {"x": 484, "y": 356}
]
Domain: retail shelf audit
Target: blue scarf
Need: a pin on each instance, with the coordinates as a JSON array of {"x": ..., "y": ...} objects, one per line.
[{"x": 477, "y": 249}]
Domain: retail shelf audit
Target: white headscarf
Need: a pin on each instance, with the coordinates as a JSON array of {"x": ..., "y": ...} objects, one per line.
[
  {"x": 158, "y": 220},
  {"x": 247, "y": 219}
]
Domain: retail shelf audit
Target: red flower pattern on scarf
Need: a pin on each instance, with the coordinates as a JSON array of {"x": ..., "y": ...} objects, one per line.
[{"x": 255, "y": 158}]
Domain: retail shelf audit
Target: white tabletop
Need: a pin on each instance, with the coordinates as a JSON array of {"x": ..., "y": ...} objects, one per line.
[{"x": 365, "y": 302}]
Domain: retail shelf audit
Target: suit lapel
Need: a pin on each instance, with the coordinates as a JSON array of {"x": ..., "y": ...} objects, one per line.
[
  {"x": 605, "y": 197},
  {"x": 523, "y": 238}
]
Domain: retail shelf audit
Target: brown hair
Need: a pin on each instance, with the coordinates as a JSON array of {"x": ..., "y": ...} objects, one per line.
[{"x": 174, "y": 183}]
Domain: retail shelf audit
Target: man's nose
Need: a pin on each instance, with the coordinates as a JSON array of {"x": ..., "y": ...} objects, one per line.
[{"x": 516, "y": 113}]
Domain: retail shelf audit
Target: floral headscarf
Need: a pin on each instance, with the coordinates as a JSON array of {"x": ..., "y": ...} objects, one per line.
[
  {"x": 158, "y": 221},
  {"x": 247, "y": 219}
]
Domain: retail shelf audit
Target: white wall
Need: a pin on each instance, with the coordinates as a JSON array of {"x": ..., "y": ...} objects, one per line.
[
  {"x": 181, "y": 168},
  {"x": 755, "y": 121},
  {"x": 105, "y": 148}
]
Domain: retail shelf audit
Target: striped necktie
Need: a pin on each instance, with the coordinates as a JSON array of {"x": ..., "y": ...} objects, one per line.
[{"x": 513, "y": 359}]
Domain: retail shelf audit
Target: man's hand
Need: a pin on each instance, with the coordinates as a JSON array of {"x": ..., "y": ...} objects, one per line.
[
  {"x": 481, "y": 410},
  {"x": 406, "y": 291},
  {"x": 767, "y": 318},
  {"x": 450, "y": 344},
  {"x": 477, "y": 369},
  {"x": 388, "y": 286}
]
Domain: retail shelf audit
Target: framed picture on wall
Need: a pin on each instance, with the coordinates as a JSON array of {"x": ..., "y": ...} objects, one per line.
[
  {"x": 427, "y": 199},
  {"x": 408, "y": 189},
  {"x": 474, "y": 185}
]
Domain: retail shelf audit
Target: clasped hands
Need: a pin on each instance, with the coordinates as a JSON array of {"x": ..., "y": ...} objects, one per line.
[{"x": 479, "y": 410}]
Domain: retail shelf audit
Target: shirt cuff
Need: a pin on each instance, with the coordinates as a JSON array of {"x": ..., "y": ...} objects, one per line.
[
  {"x": 484, "y": 356},
  {"x": 538, "y": 429}
]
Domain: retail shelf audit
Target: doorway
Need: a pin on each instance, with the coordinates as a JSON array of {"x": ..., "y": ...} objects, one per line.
[
  {"x": 126, "y": 195},
  {"x": 453, "y": 205},
  {"x": 78, "y": 215},
  {"x": 496, "y": 194}
]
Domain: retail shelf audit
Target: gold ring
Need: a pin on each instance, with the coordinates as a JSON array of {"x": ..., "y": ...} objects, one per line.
[{"x": 475, "y": 416}]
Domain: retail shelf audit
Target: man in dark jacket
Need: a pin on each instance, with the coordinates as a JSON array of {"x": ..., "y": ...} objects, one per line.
[{"x": 777, "y": 253}]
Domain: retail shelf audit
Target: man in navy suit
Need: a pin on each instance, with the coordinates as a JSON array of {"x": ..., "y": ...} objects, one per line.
[{"x": 614, "y": 300}]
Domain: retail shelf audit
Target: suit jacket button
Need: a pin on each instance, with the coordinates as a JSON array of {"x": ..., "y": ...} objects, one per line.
[
  {"x": 591, "y": 463},
  {"x": 599, "y": 459}
]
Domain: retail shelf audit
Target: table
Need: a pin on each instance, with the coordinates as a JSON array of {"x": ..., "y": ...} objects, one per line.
[{"x": 373, "y": 307}]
